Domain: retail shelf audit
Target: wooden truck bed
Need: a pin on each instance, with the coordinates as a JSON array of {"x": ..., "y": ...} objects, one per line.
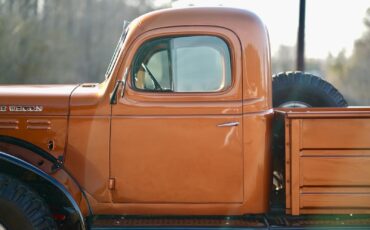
[{"x": 327, "y": 160}]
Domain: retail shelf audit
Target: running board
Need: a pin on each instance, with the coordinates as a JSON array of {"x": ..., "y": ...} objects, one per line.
[
  {"x": 178, "y": 222},
  {"x": 343, "y": 222}
]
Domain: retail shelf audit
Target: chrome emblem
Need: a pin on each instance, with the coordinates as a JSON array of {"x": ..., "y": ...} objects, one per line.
[{"x": 21, "y": 108}]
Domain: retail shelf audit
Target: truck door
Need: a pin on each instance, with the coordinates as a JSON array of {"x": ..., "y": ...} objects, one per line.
[{"x": 176, "y": 134}]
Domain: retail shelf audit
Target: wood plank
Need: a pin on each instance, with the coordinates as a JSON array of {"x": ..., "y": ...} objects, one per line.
[
  {"x": 335, "y": 190},
  {"x": 335, "y": 152},
  {"x": 295, "y": 165},
  {"x": 335, "y": 211},
  {"x": 335, "y": 201},
  {"x": 336, "y": 133},
  {"x": 287, "y": 164},
  {"x": 335, "y": 171}
]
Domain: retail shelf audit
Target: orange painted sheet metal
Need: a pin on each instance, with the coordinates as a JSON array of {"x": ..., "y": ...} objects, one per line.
[
  {"x": 327, "y": 160},
  {"x": 45, "y": 132},
  {"x": 45, "y": 100},
  {"x": 201, "y": 164}
]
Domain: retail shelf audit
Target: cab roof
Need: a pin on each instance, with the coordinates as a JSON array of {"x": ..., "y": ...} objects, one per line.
[{"x": 231, "y": 18}]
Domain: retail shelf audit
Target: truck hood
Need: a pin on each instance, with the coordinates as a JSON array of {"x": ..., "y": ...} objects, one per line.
[{"x": 35, "y": 99}]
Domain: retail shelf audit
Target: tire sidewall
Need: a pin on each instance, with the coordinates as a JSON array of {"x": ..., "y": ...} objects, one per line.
[{"x": 12, "y": 217}]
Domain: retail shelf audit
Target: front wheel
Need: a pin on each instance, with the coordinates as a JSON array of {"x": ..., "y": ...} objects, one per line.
[{"x": 21, "y": 208}]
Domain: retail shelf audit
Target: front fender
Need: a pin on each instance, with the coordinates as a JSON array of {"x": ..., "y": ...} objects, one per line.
[{"x": 54, "y": 181}]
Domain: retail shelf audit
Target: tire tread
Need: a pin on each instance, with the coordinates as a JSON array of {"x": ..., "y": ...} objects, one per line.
[
  {"x": 29, "y": 202},
  {"x": 281, "y": 80}
]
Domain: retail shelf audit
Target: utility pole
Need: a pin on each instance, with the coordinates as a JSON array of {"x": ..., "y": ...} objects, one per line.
[{"x": 301, "y": 35}]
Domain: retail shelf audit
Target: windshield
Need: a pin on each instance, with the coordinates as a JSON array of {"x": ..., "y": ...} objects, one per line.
[{"x": 118, "y": 49}]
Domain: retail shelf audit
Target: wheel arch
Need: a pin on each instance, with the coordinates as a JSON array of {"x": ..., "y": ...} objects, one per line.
[{"x": 49, "y": 187}]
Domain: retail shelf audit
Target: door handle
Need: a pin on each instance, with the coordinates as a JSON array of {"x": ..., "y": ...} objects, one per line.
[{"x": 229, "y": 124}]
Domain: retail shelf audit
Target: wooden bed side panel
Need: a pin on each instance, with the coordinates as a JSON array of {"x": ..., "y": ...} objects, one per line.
[{"x": 327, "y": 165}]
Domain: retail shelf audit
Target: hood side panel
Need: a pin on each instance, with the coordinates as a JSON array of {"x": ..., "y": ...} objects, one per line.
[
  {"x": 37, "y": 114},
  {"x": 49, "y": 99},
  {"x": 46, "y": 132}
]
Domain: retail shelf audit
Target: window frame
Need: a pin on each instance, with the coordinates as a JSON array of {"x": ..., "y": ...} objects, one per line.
[
  {"x": 117, "y": 50},
  {"x": 169, "y": 92}
]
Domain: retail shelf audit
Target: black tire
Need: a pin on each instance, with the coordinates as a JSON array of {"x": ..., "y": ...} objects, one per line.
[
  {"x": 21, "y": 208},
  {"x": 295, "y": 89},
  {"x": 306, "y": 88}
]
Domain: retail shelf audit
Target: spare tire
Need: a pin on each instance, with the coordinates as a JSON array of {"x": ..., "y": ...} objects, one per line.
[{"x": 295, "y": 89}]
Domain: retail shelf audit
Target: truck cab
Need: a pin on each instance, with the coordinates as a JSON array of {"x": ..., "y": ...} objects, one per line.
[{"x": 191, "y": 116}]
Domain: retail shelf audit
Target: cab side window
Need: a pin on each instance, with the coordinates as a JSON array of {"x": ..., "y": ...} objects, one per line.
[{"x": 182, "y": 64}]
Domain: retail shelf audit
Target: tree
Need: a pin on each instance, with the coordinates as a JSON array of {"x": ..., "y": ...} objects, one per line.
[
  {"x": 53, "y": 41},
  {"x": 352, "y": 75},
  {"x": 284, "y": 59}
]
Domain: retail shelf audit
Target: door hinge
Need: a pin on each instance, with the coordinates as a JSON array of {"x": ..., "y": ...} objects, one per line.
[{"x": 112, "y": 183}]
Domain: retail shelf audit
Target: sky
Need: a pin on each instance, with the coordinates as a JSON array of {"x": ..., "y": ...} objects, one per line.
[{"x": 331, "y": 25}]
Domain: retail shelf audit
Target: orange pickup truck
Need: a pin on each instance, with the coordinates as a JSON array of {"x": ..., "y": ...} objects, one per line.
[{"x": 188, "y": 130}]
